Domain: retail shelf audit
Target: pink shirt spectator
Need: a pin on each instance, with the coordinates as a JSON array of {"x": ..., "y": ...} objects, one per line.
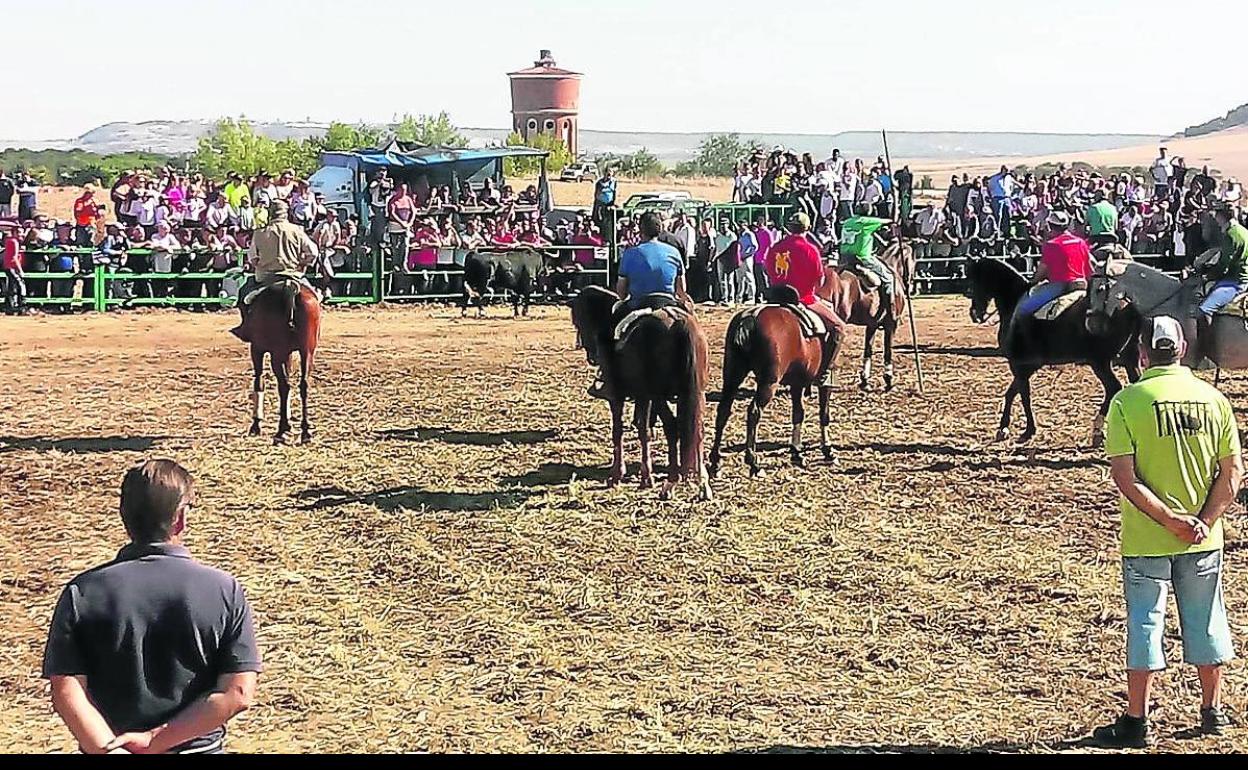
[
  {"x": 423, "y": 256},
  {"x": 585, "y": 256}
]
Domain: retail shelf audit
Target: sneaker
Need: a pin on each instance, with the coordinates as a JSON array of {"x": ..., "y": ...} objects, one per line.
[
  {"x": 1127, "y": 732},
  {"x": 1214, "y": 721}
]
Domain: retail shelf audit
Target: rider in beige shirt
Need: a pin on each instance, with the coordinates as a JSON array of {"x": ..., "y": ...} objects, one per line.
[{"x": 279, "y": 253}]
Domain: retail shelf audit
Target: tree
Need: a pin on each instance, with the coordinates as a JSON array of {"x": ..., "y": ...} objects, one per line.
[
  {"x": 343, "y": 136},
  {"x": 234, "y": 146},
  {"x": 559, "y": 155},
  {"x": 430, "y": 130},
  {"x": 719, "y": 154},
  {"x": 635, "y": 165}
]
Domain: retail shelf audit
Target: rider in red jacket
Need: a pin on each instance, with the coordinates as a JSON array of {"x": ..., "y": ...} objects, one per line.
[{"x": 794, "y": 261}]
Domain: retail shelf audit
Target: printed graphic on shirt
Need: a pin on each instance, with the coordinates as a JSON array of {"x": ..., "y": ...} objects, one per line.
[
  {"x": 1182, "y": 418},
  {"x": 782, "y": 263}
]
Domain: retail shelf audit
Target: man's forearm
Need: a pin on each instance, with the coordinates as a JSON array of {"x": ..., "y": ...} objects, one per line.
[
  {"x": 83, "y": 720},
  {"x": 200, "y": 718},
  {"x": 1221, "y": 496},
  {"x": 1147, "y": 501}
]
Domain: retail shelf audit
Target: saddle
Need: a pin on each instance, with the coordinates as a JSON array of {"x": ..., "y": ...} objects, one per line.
[
  {"x": 286, "y": 285},
  {"x": 1052, "y": 310},
  {"x": 655, "y": 305},
  {"x": 810, "y": 322}
]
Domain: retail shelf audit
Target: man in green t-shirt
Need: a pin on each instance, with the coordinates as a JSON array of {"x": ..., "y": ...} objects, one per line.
[
  {"x": 1229, "y": 268},
  {"x": 1102, "y": 220},
  {"x": 857, "y": 244},
  {"x": 1174, "y": 451}
]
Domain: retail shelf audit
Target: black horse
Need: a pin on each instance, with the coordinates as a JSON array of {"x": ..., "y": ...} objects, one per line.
[{"x": 1030, "y": 344}]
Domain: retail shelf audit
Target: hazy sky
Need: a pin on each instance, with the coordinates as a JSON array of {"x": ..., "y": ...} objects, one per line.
[{"x": 818, "y": 66}]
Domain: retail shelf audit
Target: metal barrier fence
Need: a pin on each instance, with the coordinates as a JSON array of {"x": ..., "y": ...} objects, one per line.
[{"x": 102, "y": 287}]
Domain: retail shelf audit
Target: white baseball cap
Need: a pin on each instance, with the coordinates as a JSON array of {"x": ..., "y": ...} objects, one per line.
[{"x": 1167, "y": 334}]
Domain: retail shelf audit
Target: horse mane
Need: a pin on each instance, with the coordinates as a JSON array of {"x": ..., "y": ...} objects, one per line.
[{"x": 591, "y": 312}]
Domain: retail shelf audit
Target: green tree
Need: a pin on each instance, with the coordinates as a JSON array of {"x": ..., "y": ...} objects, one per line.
[
  {"x": 559, "y": 156},
  {"x": 636, "y": 165},
  {"x": 234, "y": 146},
  {"x": 430, "y": 130},
  {"x": 719, "y": 154},
  {"x": 344, "y": 136}
]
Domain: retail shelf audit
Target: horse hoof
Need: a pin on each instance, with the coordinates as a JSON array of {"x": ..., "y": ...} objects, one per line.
[
  {"x": 665, "y": 492},
  {"x": 614, "y": 480},
  {"x": 255, "y": 430},
  {"x": 829, "y": 457},
  {"x": 888, "y": 385},
  {"x": 647, "y": 483},
  {"x": 864, "y": 386},
  {"x": 305, "y": 438},
  {"x": 1002, "y": 434},
  {"x": 705, "y": 495},
  {"x": 798, "y": 462},
  {"x": 1026, "y": 436},
  {"x": 279, "y": 439}
]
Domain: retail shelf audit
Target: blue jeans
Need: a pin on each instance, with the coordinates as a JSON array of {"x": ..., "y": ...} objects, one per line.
[
  {"x": 1039, "y": 297},
  {"x": 727, "y": 283},
  {"x": 1197, "y": 582},
  {"x": 1001, "y": 209},
  {"x": 746, "y": 286},
  {"x": 878, "y": 269},
  {"x": 1221, "y": 295}
]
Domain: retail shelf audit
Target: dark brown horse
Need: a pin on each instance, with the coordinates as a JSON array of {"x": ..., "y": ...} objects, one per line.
[
  {"x": 662, "y": 359},
  {"x": 861, "y": 306},
  {"x": 268, "y": 331},
  {"x": 770, "y": 344}
]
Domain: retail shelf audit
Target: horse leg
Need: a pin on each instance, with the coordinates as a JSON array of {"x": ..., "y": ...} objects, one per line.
[
  {"x": 1003, "y": 430},
  {"x": 867, "y": 343},
  {"x": 734, "y": 375},
  {"x": 1109, "y": 381},
  {"x": 281, "y": 370},
  {"x": 617, "y": 443},
  {"x": 799, "y": 416},
  {"x": 664, "y": 411},
  {"x": 305, "y": 364},
  {"x": 762, "y": 397},
  {"x": 890, "y": 327},
  {"x": 641, "y": 421},
  {"x": 825, "y": 396},
  {"x": 1024, "y": 392},
  {"x": 257, "y": 390}
]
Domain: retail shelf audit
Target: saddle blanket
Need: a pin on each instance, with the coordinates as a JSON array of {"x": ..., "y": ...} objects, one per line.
[
  {"x": 626, "y": 324},
  {"x": 810, "y": 322},
  {"x": 1051, "y": 310}
]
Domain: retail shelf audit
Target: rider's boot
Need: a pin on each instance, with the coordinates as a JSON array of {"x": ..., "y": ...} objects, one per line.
[{"x": 290, "y": 295}]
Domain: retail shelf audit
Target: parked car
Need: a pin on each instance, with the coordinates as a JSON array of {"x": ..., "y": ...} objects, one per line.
[
  {"x": 664, "y": 202},
  {"x": 578, "y": 172}
]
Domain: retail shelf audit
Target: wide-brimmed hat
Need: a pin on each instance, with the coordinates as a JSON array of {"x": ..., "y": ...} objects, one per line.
[{"x": 1059, "y": 219}]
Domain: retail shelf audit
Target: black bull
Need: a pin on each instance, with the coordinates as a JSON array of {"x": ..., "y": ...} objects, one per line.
[{"x": 514, "y": 271}]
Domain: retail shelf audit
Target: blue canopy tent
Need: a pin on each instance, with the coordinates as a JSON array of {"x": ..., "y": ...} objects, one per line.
[{"x": 418, "y": 166}]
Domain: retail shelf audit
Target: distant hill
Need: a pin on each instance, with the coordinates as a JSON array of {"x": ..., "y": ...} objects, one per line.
[
  {"x": 175, "y": 137},
  {"x": 1236, "y": 117}
]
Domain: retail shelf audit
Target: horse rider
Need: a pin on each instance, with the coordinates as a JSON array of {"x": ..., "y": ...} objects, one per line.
[
  {"x": 1226, "y": 266},
  {"x": 857, "y": 246},
  {"x": 1102, "y": 219},
  {"x": 280, "y": 254},
  {"x": 794, "y": 262},
  {"x": 1065, "y": 265},
  {"x": 652, "y": 274}
]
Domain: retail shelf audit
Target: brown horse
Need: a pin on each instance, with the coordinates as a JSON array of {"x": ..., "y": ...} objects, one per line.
[
  {"x": 269, "y": 332},
  {"x": 770, "y": 343},
  {"x": 861, "y": 306},
  {"x": 662, "y": 359}
]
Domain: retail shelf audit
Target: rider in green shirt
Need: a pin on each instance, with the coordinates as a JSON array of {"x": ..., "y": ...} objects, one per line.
[
  {"x": 1230, "y": 271},
  {"x": 857, "y": 243}
]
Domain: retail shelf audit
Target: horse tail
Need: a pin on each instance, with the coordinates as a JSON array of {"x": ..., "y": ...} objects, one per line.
[
  {"x": 691, "y": 398},
  {"x": 742, "y": 332}
]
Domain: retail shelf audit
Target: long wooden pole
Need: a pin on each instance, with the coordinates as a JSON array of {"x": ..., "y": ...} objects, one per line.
[{"x": 914, "y": 334}]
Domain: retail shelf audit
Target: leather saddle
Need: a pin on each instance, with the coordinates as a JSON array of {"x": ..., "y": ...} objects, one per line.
[
  {"x": 810, "y": 322},
  {"x": 651, "y": 304},
  {"x": 286, "y": 285}
]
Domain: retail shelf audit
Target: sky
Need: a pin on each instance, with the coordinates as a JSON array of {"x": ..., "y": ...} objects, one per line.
[{"x": 776, "y": 66}]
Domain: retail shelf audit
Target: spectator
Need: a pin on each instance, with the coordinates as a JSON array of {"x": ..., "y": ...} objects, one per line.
[
  {"x": 848, "y": 195},
  {"x": 164, "y": 246},
  {"x": 7, "y": 190},
  {"x": 84, "y": 219},
  {"x": 235, "y": 190},
  {"x": 14, "y": 276},
  {"x": 152, "y": 652},
  {"x": 285, "y": 185},
  {"x": 747, "y": 251},
  {"x": 219, "y": 214},
  {"x": 1175, "y": 458},
  {"x": 905, "y": 191},
  {"x": 1162, "y": 170},
  {"x": 27, "y": 197}
]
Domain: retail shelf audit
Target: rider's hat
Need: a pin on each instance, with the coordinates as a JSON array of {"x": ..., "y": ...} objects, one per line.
[{"x": 1059, "y": 219}]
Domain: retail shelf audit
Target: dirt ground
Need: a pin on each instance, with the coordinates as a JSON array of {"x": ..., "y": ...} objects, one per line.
[{"x": 444, "y": 569}]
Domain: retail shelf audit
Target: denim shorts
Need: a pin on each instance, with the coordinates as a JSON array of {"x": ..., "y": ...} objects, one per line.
[{"x": 1197, "y": 582}]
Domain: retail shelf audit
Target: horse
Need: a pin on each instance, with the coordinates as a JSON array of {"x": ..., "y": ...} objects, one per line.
[
  {"x": 1030, "y": 344},
  {"x": 860, "y": 304},
  {"x": 268, "y": 331},
  {"x": 662, "y": 358},
  {"x": 770, "y": 343},
  {"x": 1121, "y": 286},
  {"x": 516, "y": 271}
]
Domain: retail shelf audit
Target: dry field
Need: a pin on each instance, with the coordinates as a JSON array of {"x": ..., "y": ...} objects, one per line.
[{"x": 444, "y": 569}]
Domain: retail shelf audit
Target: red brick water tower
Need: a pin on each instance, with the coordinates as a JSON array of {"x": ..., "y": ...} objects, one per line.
[{"x": 546, "y": 99}]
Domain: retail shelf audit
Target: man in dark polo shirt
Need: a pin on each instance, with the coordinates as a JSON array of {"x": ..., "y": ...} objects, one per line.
[{"x": 152, "y": 652}]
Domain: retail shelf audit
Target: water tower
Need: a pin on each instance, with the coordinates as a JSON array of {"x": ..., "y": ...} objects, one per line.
[{"x": 546, "y": 99}]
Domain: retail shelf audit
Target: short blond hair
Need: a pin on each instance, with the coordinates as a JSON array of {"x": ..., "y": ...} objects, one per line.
[{"x": 153, "y": 493}]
